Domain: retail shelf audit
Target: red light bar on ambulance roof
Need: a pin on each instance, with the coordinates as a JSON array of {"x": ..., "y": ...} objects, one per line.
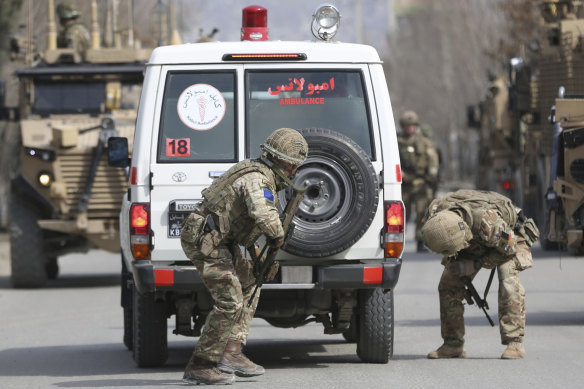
[
  {"x": 254, "y": 23},
  {"x": 265, "y": 57}
]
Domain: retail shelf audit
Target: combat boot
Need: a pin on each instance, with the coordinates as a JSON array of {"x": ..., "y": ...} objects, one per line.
[
  {"x": 514, "y": 350},
  {"x": 447, "y": 351},
  {"x": 234, "y": 361},
  {"x": 201, "y": 371}
]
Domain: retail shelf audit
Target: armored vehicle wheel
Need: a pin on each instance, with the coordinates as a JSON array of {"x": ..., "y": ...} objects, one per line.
[
  {"x": 52, "y": 268},
  {"x": 375, "y": 343},
  {"x": 341, "y": 199},
  {"x": 150, "y": 331},
  {"x": 27, "y": 256}
]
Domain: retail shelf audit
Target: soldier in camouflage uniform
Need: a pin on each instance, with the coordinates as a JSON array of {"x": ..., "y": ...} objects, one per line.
[
  {"x": 474, "y": 229},
  {"x": 74, "y": 34},
  {"x": 237, "y": 209},
  {"x": 419, "y": 163}
]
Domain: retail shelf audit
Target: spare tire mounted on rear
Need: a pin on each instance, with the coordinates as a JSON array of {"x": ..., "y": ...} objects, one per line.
[{"x": 341, "y": 199}]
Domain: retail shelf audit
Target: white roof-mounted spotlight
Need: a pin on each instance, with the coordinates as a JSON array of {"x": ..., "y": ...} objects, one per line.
[{"x": 325, "y": 22}]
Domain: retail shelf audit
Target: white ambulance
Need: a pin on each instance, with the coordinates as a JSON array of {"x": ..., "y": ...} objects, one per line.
[{"x": 206, "y": 106}]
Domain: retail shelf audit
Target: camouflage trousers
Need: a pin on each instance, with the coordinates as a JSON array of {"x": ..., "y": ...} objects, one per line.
[
  {"x": 511, "y": 304},
  {"x": 229, "y": 278},
  {"x": 417, "y": 197}
]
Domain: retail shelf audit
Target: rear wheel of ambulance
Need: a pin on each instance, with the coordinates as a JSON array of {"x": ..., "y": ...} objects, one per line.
[
  {"x": 27, "y": 256},
  {"x": 128, "y": 318},
  {"x": 375, "y": 342},
  {"x": 150, "y": 330}
]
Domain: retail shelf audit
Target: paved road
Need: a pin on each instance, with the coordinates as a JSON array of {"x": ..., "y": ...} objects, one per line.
[{"x": 68, "y": 335}]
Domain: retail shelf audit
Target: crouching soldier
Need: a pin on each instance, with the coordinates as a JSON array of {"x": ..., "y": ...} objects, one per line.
[
  {"x": 476, "y": 229},
  {"x": 237, "y": 209}
]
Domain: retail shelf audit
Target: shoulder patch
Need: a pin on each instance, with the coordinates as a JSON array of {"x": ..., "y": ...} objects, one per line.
[{"x": 268, "y": 195}]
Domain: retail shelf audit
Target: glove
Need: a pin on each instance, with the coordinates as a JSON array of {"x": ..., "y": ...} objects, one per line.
[
  {"x": 272, "y": 271},
  {"x": 276, "y": 243}
]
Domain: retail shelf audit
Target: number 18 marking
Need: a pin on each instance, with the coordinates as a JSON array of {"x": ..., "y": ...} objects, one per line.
[{"x": 178, "y": 147}]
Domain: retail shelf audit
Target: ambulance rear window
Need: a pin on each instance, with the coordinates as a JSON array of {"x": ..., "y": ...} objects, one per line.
[
  {"x": 198, "y": 118},
  {"x": 331, "y": 99}
]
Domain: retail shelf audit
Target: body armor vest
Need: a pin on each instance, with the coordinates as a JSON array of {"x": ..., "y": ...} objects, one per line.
[
  {"x": 413, "y": 154},
  {"x": 476, "y": 203},
  {"x": 228, "y": 209}
]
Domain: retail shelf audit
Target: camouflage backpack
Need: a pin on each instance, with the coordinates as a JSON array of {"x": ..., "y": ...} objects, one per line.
[{"x": 475, "y": 203}]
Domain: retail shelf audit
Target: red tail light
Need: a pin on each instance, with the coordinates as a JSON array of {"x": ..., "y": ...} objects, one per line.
[
  {"x": 393, "y": 238},
  {"x": 507, "y": 185},
  {"x": 398, "y": 173},
  {"x": 140, "y": 231},
  {"x": 254, "y": 26}
]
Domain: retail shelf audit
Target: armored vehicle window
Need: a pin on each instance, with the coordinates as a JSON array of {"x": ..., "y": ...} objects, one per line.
[
  {"x": 198, "y": 118},
  {"x": 57, "y": 98},
  {"x": 331, "y": 99}
]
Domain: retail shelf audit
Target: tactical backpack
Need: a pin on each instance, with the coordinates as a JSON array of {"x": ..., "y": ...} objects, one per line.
[{"x": 474, "y": 202}]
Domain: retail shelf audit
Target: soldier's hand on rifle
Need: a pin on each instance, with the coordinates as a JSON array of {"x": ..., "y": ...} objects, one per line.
[
  {"x": 258, "y": 252},
  {"x": 276, "y": 243},
  {"x": 272, "y": 271}
]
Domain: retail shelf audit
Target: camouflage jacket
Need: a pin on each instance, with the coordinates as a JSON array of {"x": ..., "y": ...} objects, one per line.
[
  {"x": 243, "y": 203},
  {"x": 494, "y": 221},
  {"x": 418, "y": 157},
  {"x": 74, "y": 36}
]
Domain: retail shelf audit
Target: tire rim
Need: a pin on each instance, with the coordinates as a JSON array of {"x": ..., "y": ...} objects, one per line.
[{"x": 328, "y": 196}]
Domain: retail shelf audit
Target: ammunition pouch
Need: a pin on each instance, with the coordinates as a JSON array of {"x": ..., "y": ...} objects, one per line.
[
  {"x": 199, "y": 233},
  {"x": 527, "y": 229}
]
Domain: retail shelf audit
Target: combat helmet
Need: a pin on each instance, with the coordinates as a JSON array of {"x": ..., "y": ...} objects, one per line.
[
  {"x": 409, "y": 118},
  {"x": 446, "y": 233},
  {"x": 66, "y": 11},
  {"x": 288, "y": 145}
]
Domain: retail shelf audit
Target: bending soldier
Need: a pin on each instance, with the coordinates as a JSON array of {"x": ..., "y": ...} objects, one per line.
[
  {"x": 474, "y": 229},
  {"x": 236, "y": 210},
  {"x": 419, "y": 164}
]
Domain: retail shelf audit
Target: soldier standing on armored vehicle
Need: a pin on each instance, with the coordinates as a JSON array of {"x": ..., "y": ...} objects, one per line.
[
  {"x": 74, "y": 34},
  {"x": 237, "y": 209},
  {"x": 474, "y": 229},
  {"x": 419, "y": 163}
]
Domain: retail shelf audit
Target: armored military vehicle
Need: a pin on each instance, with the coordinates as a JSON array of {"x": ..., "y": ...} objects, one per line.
[
  {"x": 64, "y": 197},
  {"x": 565, "y": 197},
  {"x": 517, "y": 153}
]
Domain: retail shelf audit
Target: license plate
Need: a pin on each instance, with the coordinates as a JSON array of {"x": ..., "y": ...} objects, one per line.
[
  {"x": 175, "y": 220},
  {"x": 179, "y": 210}
]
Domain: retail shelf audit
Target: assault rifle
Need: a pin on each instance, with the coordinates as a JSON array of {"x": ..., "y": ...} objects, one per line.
[
  {"x": 287, "y": 217},
  {"x": 471, "y": 293}
]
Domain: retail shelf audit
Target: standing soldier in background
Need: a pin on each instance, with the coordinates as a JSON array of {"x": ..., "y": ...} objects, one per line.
[
  {"x": 474, "y": 229},
  {"x": 74, "y": 34},
  {"x": 419, "y": 164},
  {"x": 428, "y": 132},
  {"x": 237, "y": 209}
]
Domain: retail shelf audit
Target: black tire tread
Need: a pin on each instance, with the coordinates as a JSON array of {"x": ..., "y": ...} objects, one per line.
[
  {"x": 27, "y": 257},
  {"x": 150, "y": 331},
  {"x": 375, "y": 343}
]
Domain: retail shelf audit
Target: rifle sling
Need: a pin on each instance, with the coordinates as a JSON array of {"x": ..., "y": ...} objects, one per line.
[{"x": 489, "y": 283}]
